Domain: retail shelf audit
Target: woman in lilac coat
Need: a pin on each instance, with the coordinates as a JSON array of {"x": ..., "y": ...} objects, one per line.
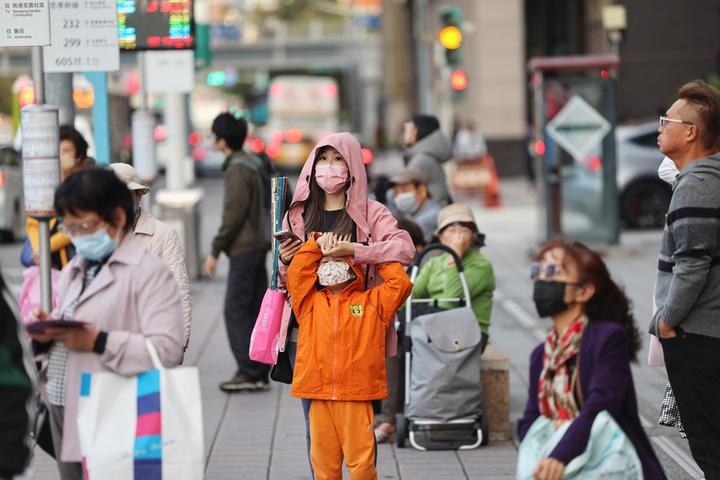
[
  {"x": 595, "y": 333},
  {"x": 124, "y": 293}
]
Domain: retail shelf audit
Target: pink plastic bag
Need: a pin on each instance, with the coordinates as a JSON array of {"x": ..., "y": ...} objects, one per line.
[
  {"x": 266, "y": 334},
  {"x": 30, "y": 290}
]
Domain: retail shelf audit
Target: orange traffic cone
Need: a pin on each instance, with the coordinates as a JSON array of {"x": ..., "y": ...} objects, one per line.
[{"x": 491, "y": 193}]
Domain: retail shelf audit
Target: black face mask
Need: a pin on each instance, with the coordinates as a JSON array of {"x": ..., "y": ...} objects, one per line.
[{"x": 549, "y": 298}]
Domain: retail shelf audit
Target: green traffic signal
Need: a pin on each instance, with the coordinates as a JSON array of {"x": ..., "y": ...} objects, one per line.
[{"x": 216, "y": 78}]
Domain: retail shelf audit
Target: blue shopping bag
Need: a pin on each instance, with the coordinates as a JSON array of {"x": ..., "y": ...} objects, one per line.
[{"x": 610, "y": 455}]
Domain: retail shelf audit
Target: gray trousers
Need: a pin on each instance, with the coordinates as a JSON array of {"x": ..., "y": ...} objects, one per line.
[{"x": 68, "y": 470}]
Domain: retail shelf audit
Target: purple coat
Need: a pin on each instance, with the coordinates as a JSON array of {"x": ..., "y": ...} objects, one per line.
[{"x": 606, "y": 382}]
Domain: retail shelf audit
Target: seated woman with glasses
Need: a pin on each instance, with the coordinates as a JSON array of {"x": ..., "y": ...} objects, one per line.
[
  {"x": 123, "y": 292},
  {"x": 583, "y": 367}
]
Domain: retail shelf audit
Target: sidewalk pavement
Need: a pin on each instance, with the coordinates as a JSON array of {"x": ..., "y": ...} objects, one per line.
[{"x": 262, "y": 435}]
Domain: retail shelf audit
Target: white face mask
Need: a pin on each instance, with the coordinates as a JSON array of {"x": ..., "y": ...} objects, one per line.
[
  {"x": 668, "y": 171},
  {"x": 333, "y": 273},
  {"x": 406, "y": 202}
]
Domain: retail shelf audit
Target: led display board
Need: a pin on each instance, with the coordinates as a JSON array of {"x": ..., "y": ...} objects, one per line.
[{"x": 155, "y": 24}]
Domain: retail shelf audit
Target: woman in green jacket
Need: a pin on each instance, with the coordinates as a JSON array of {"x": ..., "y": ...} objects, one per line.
[{"x": 439, "y": 277}]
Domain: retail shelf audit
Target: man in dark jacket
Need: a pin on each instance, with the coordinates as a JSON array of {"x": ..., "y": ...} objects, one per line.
[
  {"x": 17, "y": 389},
  {"x": 244, "y": 237},
  {"x": 426, "y": 149},
  {"x": 687, "y": 291}
]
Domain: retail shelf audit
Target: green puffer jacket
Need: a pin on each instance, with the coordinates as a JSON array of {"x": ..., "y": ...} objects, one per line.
[{"x": 437, "y": 280}]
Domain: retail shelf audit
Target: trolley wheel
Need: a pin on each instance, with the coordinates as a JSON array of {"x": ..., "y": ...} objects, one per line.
[
  {"x": 401, "y": 430},
  {"x": 485, "y": 428}
]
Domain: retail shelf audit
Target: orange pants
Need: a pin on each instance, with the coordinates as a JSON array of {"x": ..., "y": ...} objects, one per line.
[{"x": 342, "y": 430}]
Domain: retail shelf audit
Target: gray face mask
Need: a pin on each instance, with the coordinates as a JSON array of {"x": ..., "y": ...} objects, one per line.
[
  {"x": 406, "y": 203},
  {"x": 135, "y": 205}
]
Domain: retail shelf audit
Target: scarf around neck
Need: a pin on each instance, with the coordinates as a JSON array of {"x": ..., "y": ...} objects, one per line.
[{"x": 555, "y": 397}]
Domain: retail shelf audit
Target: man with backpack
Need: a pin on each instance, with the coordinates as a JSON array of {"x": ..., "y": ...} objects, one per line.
[{"x": 244, "y": 236}]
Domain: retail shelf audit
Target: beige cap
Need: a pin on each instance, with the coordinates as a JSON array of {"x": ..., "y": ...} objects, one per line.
[
  {"x": 404, "y": 177},
  {"x": 129, "y": 175},
  {"x": 455, "y": 212}
]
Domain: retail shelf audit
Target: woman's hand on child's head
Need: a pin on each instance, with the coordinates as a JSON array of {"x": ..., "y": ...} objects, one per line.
[
  {"x": 288, "y": 249},
  {"x": 340, "y": 246},
  {"x": 325, "y": 241}
]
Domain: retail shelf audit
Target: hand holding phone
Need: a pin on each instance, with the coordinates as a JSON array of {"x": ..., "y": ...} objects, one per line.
[
  {"x": 289, "y": 245},
  {"x": 284, "y": 235}
]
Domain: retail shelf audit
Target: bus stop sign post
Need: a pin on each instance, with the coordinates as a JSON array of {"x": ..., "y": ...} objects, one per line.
[
  {"x": 575, "y": 111},
  {"x": 41, "y": 169}
]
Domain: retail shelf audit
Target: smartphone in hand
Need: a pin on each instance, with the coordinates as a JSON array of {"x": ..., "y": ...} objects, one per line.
[{"x": 284, "y": 235}]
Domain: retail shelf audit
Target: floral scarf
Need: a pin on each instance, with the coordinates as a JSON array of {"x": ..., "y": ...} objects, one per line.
[{"x": 555, "y": 396}]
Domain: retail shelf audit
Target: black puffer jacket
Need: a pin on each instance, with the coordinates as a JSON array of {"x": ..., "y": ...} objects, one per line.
[{"x": 17, "y": 388}]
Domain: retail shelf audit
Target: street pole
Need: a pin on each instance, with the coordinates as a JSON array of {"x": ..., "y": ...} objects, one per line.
[
  {"x": 423, "y": 56},
  {"x": 177, "y": 134},
  {"x": 142, "y": 94},
  {"x": 143, "y": 126},
  {"x": 43, "y": 220},
  {"x": 60, "y": 93}
]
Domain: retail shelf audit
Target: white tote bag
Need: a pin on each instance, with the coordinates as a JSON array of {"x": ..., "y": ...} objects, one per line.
[{"x": 145, "y": 427}]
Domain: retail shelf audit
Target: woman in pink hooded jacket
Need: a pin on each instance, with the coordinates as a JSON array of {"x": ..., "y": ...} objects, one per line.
[{"x": 331, "y": 196}]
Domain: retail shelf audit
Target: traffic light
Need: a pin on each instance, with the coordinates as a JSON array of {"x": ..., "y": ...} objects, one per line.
[
  {"x": 458, "y": 80},
  {"x": 450, "y": 34}
]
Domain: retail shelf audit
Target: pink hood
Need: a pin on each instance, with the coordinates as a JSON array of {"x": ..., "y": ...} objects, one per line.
[
  {"x": 379, "y": 241},
  {"x": 357, "y": 199}
]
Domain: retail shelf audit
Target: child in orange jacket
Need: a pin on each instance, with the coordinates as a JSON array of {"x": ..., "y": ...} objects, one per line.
[{"x": 340, "y": 361}]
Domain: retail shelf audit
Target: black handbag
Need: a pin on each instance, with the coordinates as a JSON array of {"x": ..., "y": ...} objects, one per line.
[{"x": 282, "y": 371}]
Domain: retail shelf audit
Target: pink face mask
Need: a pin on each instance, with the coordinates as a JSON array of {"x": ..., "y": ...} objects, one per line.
[{"x": 331, "y": 178}]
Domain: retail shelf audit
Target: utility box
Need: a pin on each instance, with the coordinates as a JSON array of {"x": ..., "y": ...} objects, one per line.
[
  {"x": 574, "y": 117},
  {"x": 181, "y": 210}
]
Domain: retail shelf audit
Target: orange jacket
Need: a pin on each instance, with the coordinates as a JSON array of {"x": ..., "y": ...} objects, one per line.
[{"x": 341, "y": 348}]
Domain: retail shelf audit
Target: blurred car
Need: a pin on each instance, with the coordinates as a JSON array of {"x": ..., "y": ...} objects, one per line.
[
  {"x": 208, "y": 162},
  {"x": 12, "y": 208},
  {"x": 643, "y": 197}
]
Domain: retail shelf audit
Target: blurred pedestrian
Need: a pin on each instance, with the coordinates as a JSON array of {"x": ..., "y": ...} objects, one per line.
[
  {"x": 73, "y": 152},
  {"x": 583, "y": 367},
  {"x": 416, "y": 233},
  {"x": 244, "y": 239},
  {"x": 331, "y": 196},
  {"x": 118, "y": 287},
  {"x": 17, "y": 388},
  {"x": 342, "y": 375},
  {"x": 439, "y": 277},
  {"x": 395, "y": 365},
  {"x": 73, "y": 158},
  {"x": 469, "y": 143},
  {"x": 688, "y": 278},
  {"x": 412, "y": 199},
  {"x": 160, "y": 238},
  {"x": 426, "y": 149}
]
